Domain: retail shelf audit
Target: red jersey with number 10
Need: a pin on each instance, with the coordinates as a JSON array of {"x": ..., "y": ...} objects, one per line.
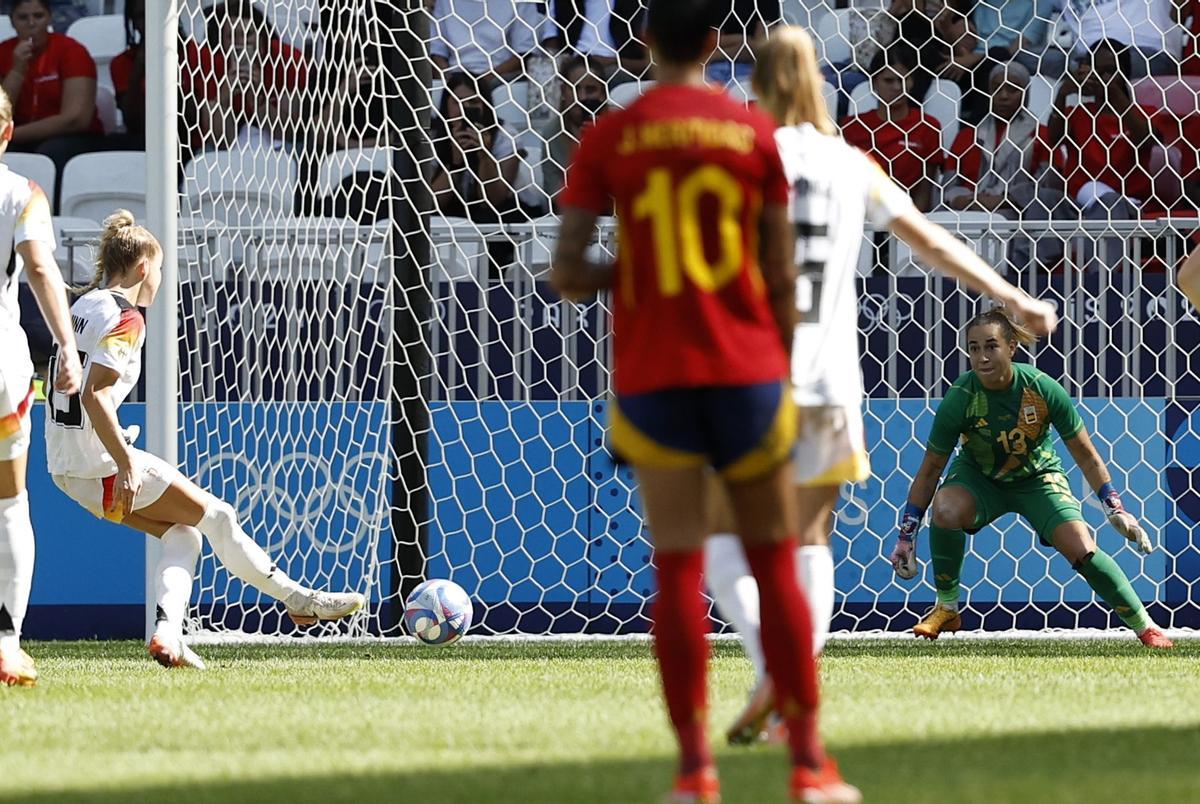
[{"x": 688, "y": 170}]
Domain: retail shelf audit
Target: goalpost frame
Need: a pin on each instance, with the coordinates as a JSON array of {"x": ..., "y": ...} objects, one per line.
[{"x": 162, "y": 217}]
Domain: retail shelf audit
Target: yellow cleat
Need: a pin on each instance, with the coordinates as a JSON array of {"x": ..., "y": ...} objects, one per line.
[
  {"x": 938, "y": 621},
  {"x": 18, "y": 671}
]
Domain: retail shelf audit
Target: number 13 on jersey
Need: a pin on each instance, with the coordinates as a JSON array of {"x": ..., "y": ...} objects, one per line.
[{"x": 674, "y": 212}]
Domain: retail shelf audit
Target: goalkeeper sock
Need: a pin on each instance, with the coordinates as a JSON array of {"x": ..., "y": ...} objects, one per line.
[
  {"x": 174, "y": 575},
  {"x": 680, "y": 623},
  {"x": 787, "y": 643},
  {"x": 733, "y": 588},
  {"x": 242, "y": 556},
  {"x": 947, "y": 546},
  {"x": 16, "y": 568},
  {"x": 1110, "y": 583},
  {"x": 814, "y": 565}
]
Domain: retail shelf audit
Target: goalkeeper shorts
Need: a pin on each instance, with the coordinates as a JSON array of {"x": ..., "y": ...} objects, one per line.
[
  {"x": 16, "y": 400},
  {"x": 1045, "y": 501},
  {"x": 742, "y": 431},
  {"x": 98, "y": 494},
  {"x": 830, "y": 447}
]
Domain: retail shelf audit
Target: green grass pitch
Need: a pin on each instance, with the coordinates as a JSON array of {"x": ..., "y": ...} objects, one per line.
[{"x": 953, "y": 721}]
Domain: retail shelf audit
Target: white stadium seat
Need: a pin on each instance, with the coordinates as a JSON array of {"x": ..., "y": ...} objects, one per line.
[
  {"x": 6, "y": 28},
  {"x": 830, "y": 93},
  {"x": 106, "y": 107},
  {"x": 93, "y": 185},
  {"x": 76, "y": 260},
  {"x": 624, "y": 95},
  {"x": 103, "y": 36},
  {"x": 34, "y": 166},
  {"x": 338, "y": 165},
  {"x": 833, "y": 36},
  {"x": 943, "y": 102},
  {"x": 240, "y": 187}
]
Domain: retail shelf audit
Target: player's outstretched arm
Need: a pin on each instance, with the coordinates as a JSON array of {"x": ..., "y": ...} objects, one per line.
[
  {"x": 949, "y": 255},
  {"x": 572, "y": 274},
  {"x": 920, "y": 495},
  {"x": 1189, "y": 278},
  {"x": 45, "y": 280},
  {"x": 97, "y": 401},
  {"x": 1092, "y": 465}
]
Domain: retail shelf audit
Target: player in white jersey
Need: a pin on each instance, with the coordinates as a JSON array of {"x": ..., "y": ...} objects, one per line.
[
  {"x": 91, "y": 462},
  {"x": 836, "y": 189},
  {"x": 26, "y": 240}
]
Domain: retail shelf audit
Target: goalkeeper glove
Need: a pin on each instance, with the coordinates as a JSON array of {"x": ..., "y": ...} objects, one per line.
[
  {"x": 1123, "y": 521},
  {"x": 904, "y": 556}
]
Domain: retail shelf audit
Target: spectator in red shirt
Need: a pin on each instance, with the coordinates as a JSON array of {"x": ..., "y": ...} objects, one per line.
[
  {"x": 52, "y": 82},
  {"x": 901, "y": 138},
  {"x": 254, "y": 82},
  {"x": 1102, "y": 145},
  {"x": 1002, "y": 165}
]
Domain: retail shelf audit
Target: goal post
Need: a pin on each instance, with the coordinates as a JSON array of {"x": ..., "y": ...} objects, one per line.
[
  {"x": 372, "y": 369},
  {"x": 162, "y": 218}
]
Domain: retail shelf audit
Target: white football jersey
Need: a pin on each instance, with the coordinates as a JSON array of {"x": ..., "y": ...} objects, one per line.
[
  {"x": 24, "y": 215},
  {"x": 109, "y": 331},
  {"x": 835, "y": 189}
]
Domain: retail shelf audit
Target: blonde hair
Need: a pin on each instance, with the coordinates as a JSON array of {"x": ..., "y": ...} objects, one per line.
[
  {"x": 1009, "y": 327},
  {"x": 6, "y": 109},
  {"x": 787, "y": 81},
  {"x": 123, "y": 245}
]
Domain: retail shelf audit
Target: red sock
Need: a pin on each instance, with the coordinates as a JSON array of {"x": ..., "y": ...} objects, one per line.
[
  {"x": 788, "y": 647},
  {"x": 680, "y": 624}
]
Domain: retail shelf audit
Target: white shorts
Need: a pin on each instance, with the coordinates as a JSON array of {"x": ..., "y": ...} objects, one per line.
[
  {"x": 96, "y": 494},
  {"x": 830, "y": 447},
  {"x": 16, "y": 399}
]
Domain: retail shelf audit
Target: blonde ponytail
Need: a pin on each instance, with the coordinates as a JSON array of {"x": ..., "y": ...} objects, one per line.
[
  {"x": 123, "y": 244},
  {"x": 788, "y": 82}
]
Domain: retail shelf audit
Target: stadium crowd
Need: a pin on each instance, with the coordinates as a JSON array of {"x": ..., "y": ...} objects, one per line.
[{"x": 1026, "y": 110}]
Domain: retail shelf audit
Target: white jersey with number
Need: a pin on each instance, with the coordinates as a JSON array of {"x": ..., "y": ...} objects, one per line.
[
  {"x": 24, "y": 216},
  {"x": 109, "y": 331},
  {"x": 835, "y": 189}
]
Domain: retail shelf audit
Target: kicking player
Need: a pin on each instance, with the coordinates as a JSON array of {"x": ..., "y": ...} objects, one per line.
[
  {"x": 1002, "y": 412},
  {"x": 26, "y": 238},
  {"x": 834, "y": 190},
  {"x": 93, "y": 465},
  {"x": 702, "y": 321}
]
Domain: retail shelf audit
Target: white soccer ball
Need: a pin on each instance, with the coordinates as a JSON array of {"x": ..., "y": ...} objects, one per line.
[{"x": 438, "y": 612}]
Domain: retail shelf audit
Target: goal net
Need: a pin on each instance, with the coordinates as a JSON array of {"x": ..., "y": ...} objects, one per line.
[{"x": 374, "y": 372}]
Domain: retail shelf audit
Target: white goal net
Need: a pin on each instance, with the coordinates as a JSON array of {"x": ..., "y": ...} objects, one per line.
[{"x": 376, "y": 375}]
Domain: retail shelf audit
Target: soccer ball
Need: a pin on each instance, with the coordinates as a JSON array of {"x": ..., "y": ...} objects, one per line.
[{"x": 438, "y": 612}]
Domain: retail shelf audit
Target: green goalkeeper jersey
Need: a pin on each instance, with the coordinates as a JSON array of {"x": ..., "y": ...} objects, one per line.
[{"x": 1005, "y": 434}]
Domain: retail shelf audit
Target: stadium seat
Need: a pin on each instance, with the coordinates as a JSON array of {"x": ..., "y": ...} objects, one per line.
[
  {"x": 34, "y": 166},
  {"x": 511, "y": 101},
  {"x": 103, "y": 36},
  {"x": 240, "y": 187},
  {"x": 6, "y": 28},
  {"x": 741, "y": 90},
  {"x": 312, "y": 248},
  {"x": 625, "y": 94},
  {"x": 530, "y": 178},
  {"x": 338, "y": 165},
  {"x": 72, "y": 256},
  {"x": 1039, "y": 98},
  {"x": 943, "y": 101},
  {"x": 831, "y": 99},
  {"x": 106, "y": 107},
  {"x": 459, "y": 251},
  {"x": 93, "y": 185},
  {"x": 833, "y": 36},
  {"x": 862, "y": 99},
  {"x": 903, "y": 262}
]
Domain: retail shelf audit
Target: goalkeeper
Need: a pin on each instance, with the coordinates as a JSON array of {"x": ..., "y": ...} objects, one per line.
[{"x": 1002, "y": 411}]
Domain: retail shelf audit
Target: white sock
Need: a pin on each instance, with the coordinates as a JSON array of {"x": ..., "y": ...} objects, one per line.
[
  {"x": 175, "y": 573},
  {"x": 242, "y": 556},
  {"x": 814, "y": 571},
  {"x": 16, "y": 568},
  {"x": 736, "y": 592}
]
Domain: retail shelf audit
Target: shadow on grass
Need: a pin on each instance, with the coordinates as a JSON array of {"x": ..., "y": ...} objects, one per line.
[{"x": 1110, "y": 765}]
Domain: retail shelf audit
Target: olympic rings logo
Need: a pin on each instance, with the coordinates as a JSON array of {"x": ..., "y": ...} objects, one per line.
[{"x": 335, "y": 504}]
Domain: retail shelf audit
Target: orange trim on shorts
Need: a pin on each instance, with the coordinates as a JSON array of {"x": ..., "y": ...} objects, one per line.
[
  {"x": 12, "y": 424},
  {"x": 108, "y": 502}
]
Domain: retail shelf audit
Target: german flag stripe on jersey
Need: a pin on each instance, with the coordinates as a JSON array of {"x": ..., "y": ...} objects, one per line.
[
  {"x": 11, "y": 424},
  {"x": 126, "y": 335}
]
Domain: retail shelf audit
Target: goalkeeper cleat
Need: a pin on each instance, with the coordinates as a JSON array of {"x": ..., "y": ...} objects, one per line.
[
  {"x": 698, "y": 787},
  {"x": 1153, "y": 638},
  {"x": 17, "y": 670},
  {"x": 174, "y": 652},
  {"x": 306, "y": 608},
  {"x": 749, "y": 726},
  {"x": 938, "y": 621},
  {"x": 823, "y": 786}
]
